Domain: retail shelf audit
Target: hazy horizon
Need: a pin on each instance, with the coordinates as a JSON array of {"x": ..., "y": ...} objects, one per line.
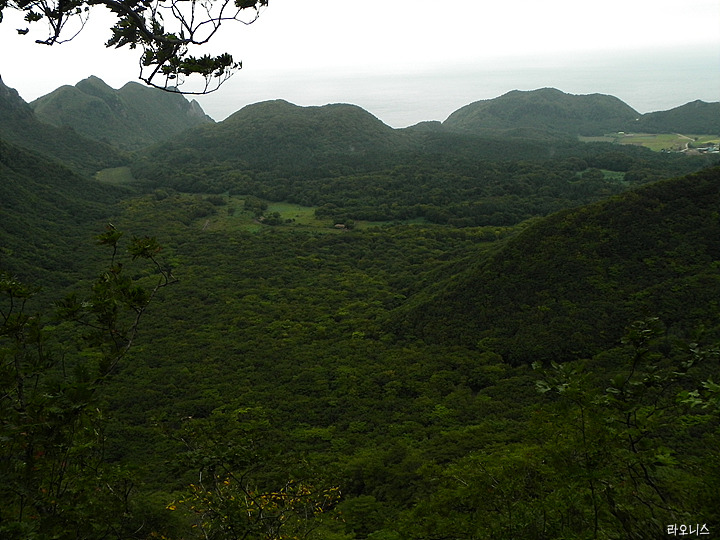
[
  {"x": 407, "y": 61},
  {"x": 406, "y": 98},
  {"x": 402, "y": 99}
]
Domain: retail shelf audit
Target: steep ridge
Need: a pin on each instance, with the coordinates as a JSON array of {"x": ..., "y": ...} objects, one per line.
[
  {"x": 569, "y": 284},
  {"x": 129, "y": 118},
  {"x": 20, "y": 126}
]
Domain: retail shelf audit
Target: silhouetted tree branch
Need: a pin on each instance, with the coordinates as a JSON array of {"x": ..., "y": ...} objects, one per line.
[{"x": 164, "y": 29}]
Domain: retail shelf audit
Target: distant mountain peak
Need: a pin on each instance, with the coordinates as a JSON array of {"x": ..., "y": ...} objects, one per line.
[
  {"x": 10, "y": 101},
  {"x": 129, "y": 118},
  {"x": 20, "y": 126},
  {"x": 197, "y": 111},
  {"x": 281, "y": 136}
]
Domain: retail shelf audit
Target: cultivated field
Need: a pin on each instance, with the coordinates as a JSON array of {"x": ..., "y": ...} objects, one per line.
[{"x": 672, "y": 142}]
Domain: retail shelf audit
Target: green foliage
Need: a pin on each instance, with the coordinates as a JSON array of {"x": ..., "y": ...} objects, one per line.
[
  {"x": 694, "y": 117},
  {"x": 238, "y": 494},
  {"x": 47, "y": 211},
  {"x": 568, "y": 285},
  {"x": 391, "y": 362},
  {"x": 599, "y": 460},
  {"x": 553, "y": 112},
  {"x": 622, "y": 437},
  {"x": 351, "y": 166},
  {"x": 56, "y": 483}
]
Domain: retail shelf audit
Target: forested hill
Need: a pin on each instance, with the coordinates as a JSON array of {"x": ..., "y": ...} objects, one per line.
[
  {"x": 130, "y": 118},
  {"x": 340, "y": 139},
  {"x": 569, "y": 284},
  {"x": 20, "y": 126},
  {"x": 694, "y": 117},
  {"x": 347, "y": 162},
  {"x": 280, "y": 136},
  {"x": 547, "y": 110},
  {"x": 309, "y": 377}
]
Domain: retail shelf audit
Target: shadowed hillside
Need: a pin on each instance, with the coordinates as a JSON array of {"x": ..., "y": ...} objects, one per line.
[
  {"x": 275, "y": 137},
  {"x": 278, "y": 134},
  {"x": 347, "y": 162},
  {"x": 48, "y": 213},
  {"x": 570, "y": 283}
]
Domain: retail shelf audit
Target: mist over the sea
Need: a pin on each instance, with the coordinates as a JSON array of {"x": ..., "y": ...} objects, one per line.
[{"x": 649, "y": 81}]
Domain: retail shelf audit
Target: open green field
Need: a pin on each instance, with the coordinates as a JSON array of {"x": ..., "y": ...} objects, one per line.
[
  {"x": 232, "y": 215},
  {"x": 302, "y": 216},
  {"x": 656, "y": 141},
  {"x": 115, "y": 175},
  {"x": 294, "y": 215}
]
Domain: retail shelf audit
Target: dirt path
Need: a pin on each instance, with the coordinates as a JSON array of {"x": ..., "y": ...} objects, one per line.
[{"x": 687, "y": 144}]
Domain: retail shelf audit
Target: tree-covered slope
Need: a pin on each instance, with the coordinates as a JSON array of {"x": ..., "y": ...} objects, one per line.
[
  {"x": 327, "y": 130},
  {"x": 129, "y": 118},
  {"x": 277, "y": 357},
  {"x": 290, "y": 326},
  {"x": 48, "y": 214},
  {"x": 280, "y": 137},
  {"x": 546, "y": 110},
  {"x": 569, "y": 284},
  {"x": 20, "y": 126},
  {"x": 696, "y": 117}
]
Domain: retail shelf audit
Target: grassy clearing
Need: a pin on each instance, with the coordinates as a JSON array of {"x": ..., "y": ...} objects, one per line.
[
  {"x": 706, "y": 139},
  {"x": 614, "y": 176},
  {"x": 301, "y": 216},
  {"x": 115, "y": 175},
  {"x": 673, "y": 142},
  {"x": 657, "y": 142},
  {"x": 294, "y": 216},
  {"x": 233, "y": 216},
  {"x": 213, "y": 212}
]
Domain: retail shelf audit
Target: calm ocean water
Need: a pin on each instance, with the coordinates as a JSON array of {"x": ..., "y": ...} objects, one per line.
[{"x": 646, "y": 82}]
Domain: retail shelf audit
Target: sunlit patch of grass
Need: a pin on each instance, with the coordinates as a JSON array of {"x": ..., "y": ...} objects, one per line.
[{"x": 657, "y": 141}]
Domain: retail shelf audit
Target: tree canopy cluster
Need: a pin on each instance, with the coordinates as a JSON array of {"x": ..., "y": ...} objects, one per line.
[{"x": 522, "y": 343}]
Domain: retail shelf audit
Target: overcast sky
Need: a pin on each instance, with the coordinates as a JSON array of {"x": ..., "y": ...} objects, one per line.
[{"x": 412, "y": 60}]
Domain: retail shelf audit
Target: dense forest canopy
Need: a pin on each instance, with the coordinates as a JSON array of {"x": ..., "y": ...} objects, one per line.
[{"x": 347, "y": 331}]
